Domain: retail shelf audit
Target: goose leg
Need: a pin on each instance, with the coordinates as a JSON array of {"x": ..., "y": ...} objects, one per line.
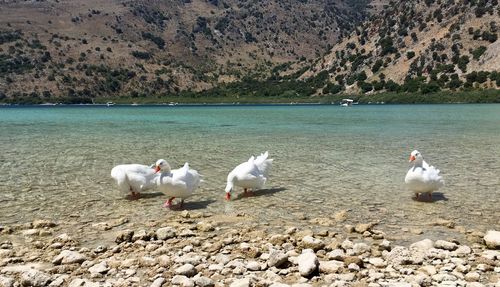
[
  {"x": 168, "y": 203},
  {"x": 182, "y": 203},
  {"x": 430, "y": 196}
]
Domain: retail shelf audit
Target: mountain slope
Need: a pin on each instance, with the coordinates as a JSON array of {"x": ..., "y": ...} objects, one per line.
[
  {"x": 417, "y": 46},
  {"x": 79, "y": 50}
]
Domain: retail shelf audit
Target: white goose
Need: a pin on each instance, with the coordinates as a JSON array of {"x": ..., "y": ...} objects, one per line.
[
  {"x": 134, "y": 178},
  {"x": 179, "y": 183},
  {"x": 250, "y": 174},
  {"x": 422, "y": 177}
]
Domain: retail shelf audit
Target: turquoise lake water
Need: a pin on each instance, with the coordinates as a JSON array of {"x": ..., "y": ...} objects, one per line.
[{"x": 56, "y": 161}]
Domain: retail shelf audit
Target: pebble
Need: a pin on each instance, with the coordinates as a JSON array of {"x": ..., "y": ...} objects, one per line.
[
  {"x": 309, "y": 242},
  {"x": 446, "y": 245},
  {"x": 34, "y": 278},
  {"x": 492, "y": 239},
  {"x": 158, "y": 282},
  {"x": 308, "y": 262},
  {"x": 243, "y": 282},
  {"x": 182, "y": 281},
  {"x": 277, "y": 258},
  {"x": 203, "y": 281},
  {"x": 165, "y": 233},
  {"x": 186, "y": 270},
  {"x": 69, "y": 257}
]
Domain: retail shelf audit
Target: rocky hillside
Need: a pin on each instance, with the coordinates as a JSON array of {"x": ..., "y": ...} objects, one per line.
[
  {"x": 79, "y": 50},
  {"x": 410, "y": 46}
]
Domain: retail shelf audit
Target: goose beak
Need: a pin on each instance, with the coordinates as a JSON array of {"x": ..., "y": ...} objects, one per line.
[
  {"x": 157, "y": 169},
  {"x": 228, "y": 196},
  {"x": 412, "y": 158}
]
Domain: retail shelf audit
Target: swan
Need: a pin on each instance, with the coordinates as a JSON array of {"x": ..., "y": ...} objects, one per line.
[
  {"x": 422, "y": 177},
  {"x": 134, "y": 178},
  {"x": 250, "y": 174},
  {"x": 174, "y": 183}
]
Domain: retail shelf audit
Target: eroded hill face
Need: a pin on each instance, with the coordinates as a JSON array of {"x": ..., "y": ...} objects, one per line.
[
  {"x": 417, "y": 46},
  {"x": 81, "y": 50}
]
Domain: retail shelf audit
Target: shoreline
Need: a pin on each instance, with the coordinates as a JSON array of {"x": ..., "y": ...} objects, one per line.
[{"x": 189, "y": 248}]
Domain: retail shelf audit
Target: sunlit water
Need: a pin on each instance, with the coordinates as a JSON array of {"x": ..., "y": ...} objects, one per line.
[{"x": 56, "y": 161}]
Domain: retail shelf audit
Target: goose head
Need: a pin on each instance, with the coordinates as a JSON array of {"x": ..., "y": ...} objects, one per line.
[
  {"x": 162, "y": 165},
  {"x": 229, "y": 187},
  {"x": 416, "y": 157}
]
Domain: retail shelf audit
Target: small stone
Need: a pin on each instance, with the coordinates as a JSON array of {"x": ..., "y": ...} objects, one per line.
[
  {"x": 446, "y": 245},
  {"x": 362, "y": 227},
  {"x": 158, "y": 282},
  {"x": 101, "y": 268},
  {"x": 492, "y": 239},
  {"x": 353, "y": 267},
  {"x": 385, "y": 244},
  {"x": 308, "y": 262},
  {"x": 377, "y": 262},
  {"x": 332, "y": 266},
  {"x": 165, "y": 233},
  {"x": 277, "y": 258},
  {"x": 360, "y": 248},
  {"x": 309, "y": 242},
  {"x": 124, "y": 236},
  {"x": 243, "y": 282},
  {"x": 140, "y": 235},
  {"x": 347, "y": 244},
  {"x": 253, "y": 266},
  {"x": 472, "y": 277},
  {"x": 186, "y": 270},
  {"x": 40, "y": 223},
  {"x": 443, "y": 222},
  {"x": 6, "y": 281},
  {"x": 31, "y": 232},
  {"x": 463, "y": 250},
  {"x": 69, "y": 257},
  {"x": 353, "y": 259},
  {"x": 340, "y": 216},
  {"x": 336, "y": 254},
  {"x": 204, "y": 226},
  {"x": 428, "y": 269},
  {"x": 203, "y": 281},
  {"x": 34, "y": 278},
  {"x": 182, "y": 281}
]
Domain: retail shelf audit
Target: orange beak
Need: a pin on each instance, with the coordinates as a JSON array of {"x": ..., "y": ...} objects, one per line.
[
  {"x": 157, "y": 169},
  {"x": 412, "y": 158},
  {"x": 228, "y": 196}
]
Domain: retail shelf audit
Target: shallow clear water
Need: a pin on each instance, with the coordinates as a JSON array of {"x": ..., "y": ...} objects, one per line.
[{"x": 55, "y": 161}]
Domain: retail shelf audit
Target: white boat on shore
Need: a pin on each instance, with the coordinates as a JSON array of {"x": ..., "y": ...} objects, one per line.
[
  {"x": 109, "y": 104},
  {"x": 346, "y": 102}
]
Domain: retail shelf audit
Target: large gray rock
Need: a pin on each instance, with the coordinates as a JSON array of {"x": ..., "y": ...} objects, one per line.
[
  {"x": 69, "y": 257},
  {"x": 308, "y": 262},
  {"x": 492, "y": 239},
  {"x": 165, "y": 233},
  {"x": 277, "y": 258},
  {"x": 186, "y": 270},
  {"x": 34, "y": 278}
]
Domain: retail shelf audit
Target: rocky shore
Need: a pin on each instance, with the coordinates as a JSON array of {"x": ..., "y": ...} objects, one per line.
[{"x": 195, "y": 249}]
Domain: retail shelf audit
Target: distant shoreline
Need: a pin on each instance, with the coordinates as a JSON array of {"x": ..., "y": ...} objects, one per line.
[{"x": 201, "y": 99}]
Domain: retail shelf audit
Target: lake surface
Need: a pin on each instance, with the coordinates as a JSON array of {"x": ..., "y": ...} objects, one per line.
[{"x": 56, "y": 161}]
